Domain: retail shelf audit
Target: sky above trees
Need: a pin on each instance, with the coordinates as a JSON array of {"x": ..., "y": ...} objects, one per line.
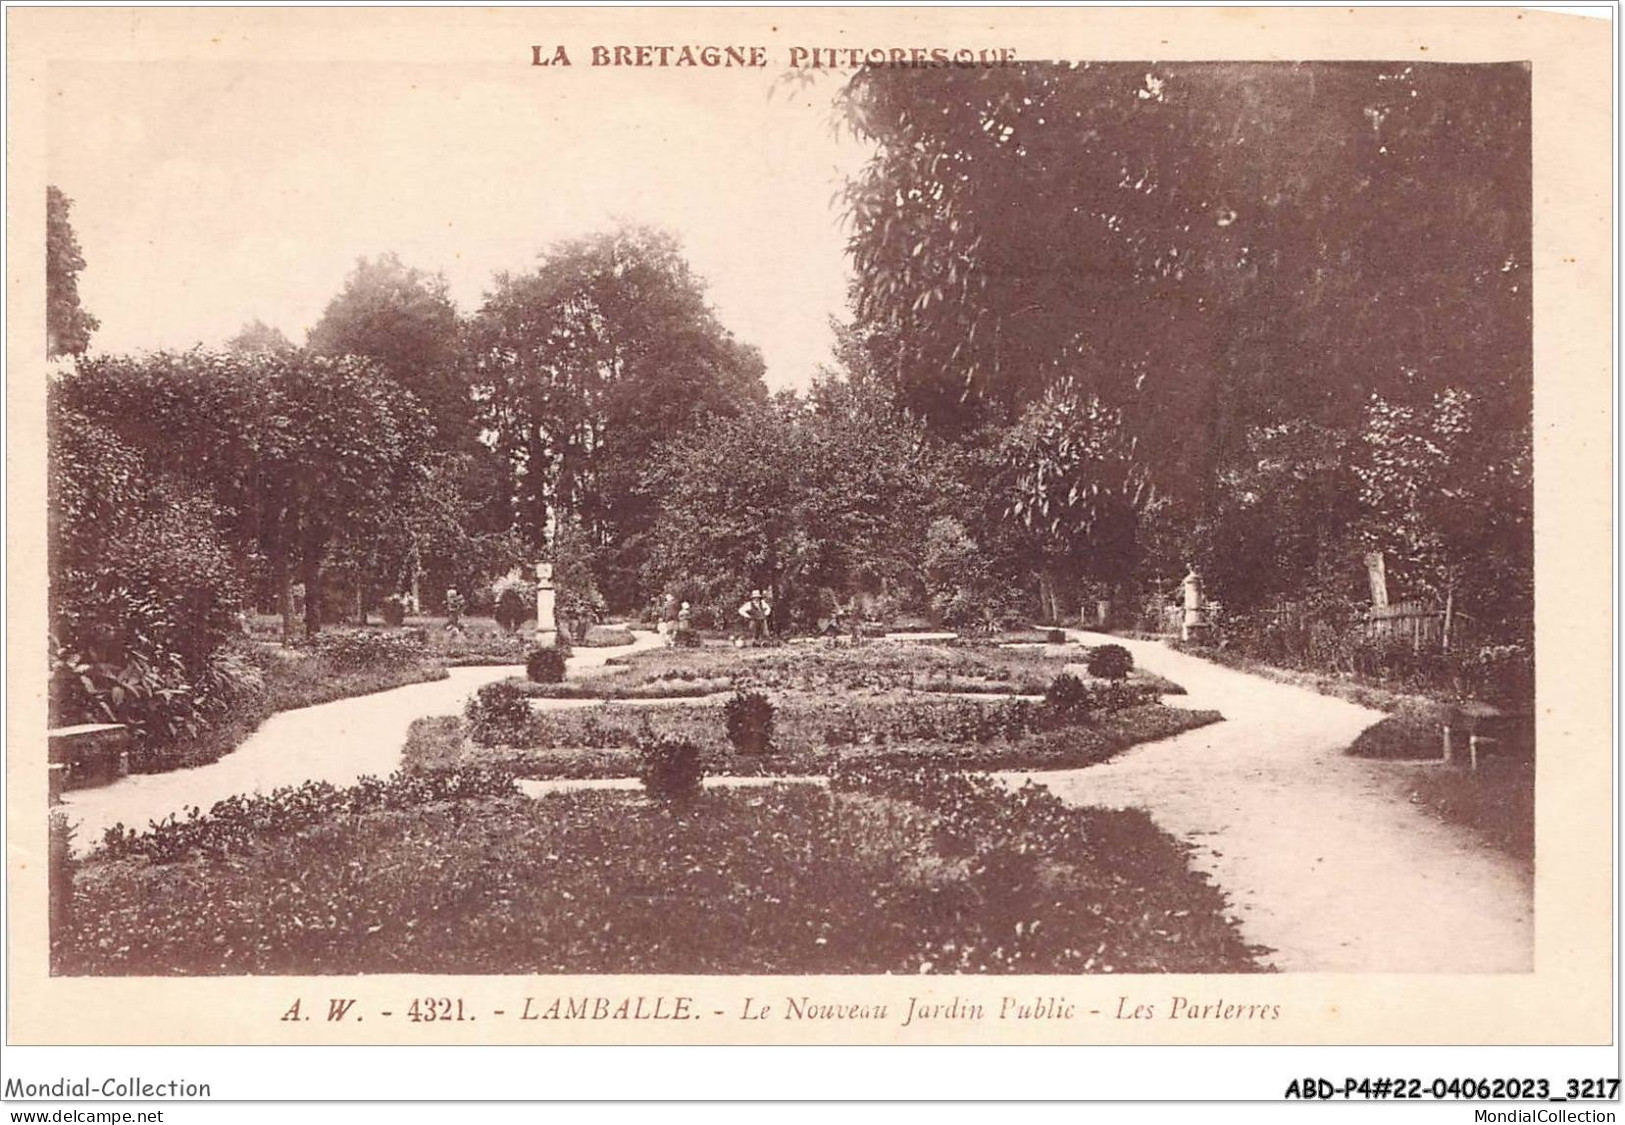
[{"x": 206, "y": 197}]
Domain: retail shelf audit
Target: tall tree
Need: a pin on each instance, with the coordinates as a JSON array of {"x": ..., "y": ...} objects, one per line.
[
  {"x": 1210, "y": 246},
  {"x": 734, "y": 506},
  {"x": 256, "y": 337},
  {"x": 67, "y": 325},
  {"x": 586, "y": 364},
  {"x": 1447, "y": 499},
  {"x": 1079, "y": 485},
  {"x": 403, "y": 319},
  {"x": 304, "y": 456},
  {"x": 1216, "y": 250},
  {"x": 815, "y": 499}
]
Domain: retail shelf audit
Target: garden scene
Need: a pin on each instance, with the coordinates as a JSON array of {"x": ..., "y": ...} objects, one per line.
[{"x": 1128, "y": 590}]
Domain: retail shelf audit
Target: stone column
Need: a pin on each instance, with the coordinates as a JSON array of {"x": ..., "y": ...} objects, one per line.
[{"x": 547, "y": 623}]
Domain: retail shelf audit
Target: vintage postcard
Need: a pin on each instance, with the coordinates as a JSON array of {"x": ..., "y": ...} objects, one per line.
[{"x": 809, "y": 526}]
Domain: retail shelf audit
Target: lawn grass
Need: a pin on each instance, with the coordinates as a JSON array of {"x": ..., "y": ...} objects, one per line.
[
  {"x": 597, "y": 742},
  {"x": 1496, "y": 801},
  {"x": 837, "y": 668},
  {"x": 942, "y": 876},
  {"x": 614, "y": 687},
  {"x": 293, "y": 679},
  {"x": 1353, "y": 689},
  {"x": 606, "y": 636},
  {"x": 872, "y": 666},
  {"x": 477, "y": 641}
]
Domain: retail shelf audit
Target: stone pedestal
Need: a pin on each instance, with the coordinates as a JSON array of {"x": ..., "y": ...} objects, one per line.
[{"x": 547, "y": 622}]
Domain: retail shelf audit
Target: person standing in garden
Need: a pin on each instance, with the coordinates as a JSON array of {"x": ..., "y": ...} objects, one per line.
[
  {"x": 669, "y": 613},
  {"x": 454, "y": 609},
  {"x": 757, "y": 610}
]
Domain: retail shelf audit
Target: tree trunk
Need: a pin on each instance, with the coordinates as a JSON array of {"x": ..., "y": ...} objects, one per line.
[
  {"x": 284, "y": 593},
  {"x": 310, "y": 565},
  {"x": 276, "y": 552},
  {"x": 1449, "y": 614},
  {"x": 1046, "y": 597}
]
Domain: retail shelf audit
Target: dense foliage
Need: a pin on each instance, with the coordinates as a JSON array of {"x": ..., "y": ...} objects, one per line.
[
  {"x": 749, "y": 719},
  {"x": 903, "y": 872},
  {"x": 1184, "y": 293},
  {"x": 582, "y": 367},
  {"x": 671, "y": 769},
  {"x": 1110, "y": 662},
  {"x": 1108, "y": 321},
  {"x": 816, "y": 503},
  {"x": 237, "y": 824},
  {"x": 67, "y": 324},
  {"x": 144, "y": 590},
  {"x": 303, "y": 456},
  {"x": 403, "y": 320},
  {"x": 498, "y": 714},
  {"x": 545, "y": 665},
  {"x": 349, "y": 649}
]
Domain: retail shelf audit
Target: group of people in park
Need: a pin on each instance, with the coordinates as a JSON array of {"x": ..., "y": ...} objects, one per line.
[
  {"x": 757, "y": 613},
  {"x": 676, "y": 618}
]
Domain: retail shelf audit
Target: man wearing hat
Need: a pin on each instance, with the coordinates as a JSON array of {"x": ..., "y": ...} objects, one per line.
[{"x": 757, "y": 609}]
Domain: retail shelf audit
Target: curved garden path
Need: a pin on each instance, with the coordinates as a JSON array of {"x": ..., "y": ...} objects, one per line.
[
  {"x": 1320, "y": 862},
  {"x": 337, "y": 742}
]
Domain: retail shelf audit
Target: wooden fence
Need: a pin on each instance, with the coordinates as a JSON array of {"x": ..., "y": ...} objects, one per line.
[
  {"x": 1421, "y": 623},
  {"x": 1418, "y": 622}
]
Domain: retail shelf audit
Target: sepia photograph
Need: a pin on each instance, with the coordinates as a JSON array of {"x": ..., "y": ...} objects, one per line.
[{"x": 844, "y": 507}]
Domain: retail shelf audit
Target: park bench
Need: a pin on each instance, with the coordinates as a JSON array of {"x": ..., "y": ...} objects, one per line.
[
  {"x": 86, "y": 755},
  {"x": 1484, "y": 724}
]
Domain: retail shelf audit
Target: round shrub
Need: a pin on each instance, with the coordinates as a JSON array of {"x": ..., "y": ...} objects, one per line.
[
  {"x": 545, "y": 665},
  {"x": 1110, "y": 662},
  {"x": 671, "y": 769},
  {"x": 393, "y": 611},
  {"x": 750, "y": 722},
  {"x": 498, "y": 715},
  {"x": 511, "y": 609},
  {"x": 1067, "y": 696}
]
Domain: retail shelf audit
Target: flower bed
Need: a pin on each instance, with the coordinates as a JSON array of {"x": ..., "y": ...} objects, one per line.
[
  {"x": 611, "y": 687},
  {"x": 876, "y": 666},
  {"x": 499, "y": 716},
  {"x": 606, "y": 636},
  {"x": 597, "y": 742},
  {"x": 236, "y": 824},
  {"x": 888, "y": 873}
]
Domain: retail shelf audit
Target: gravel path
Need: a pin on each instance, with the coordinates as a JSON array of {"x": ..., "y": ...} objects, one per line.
[
  {"x": 1318, "y": 859},
  {"x": 336, "y": 742}
]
